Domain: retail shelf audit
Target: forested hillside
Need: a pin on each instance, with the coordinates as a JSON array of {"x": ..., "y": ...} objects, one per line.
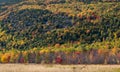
[
  {"x": 60, "y": 23},
  {"x": 67, "y": 26}
]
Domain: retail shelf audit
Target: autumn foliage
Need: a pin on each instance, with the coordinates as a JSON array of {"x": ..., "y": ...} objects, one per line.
[{"x": 60, "y": 31}]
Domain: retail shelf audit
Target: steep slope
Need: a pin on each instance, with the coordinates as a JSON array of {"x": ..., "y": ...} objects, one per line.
[{"x": 30, "y": 24}]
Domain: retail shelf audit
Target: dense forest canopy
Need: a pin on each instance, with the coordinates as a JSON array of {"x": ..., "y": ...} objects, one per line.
[
  {"x": 60, "y": 31},
  {"x": 8, "y": 2},
  {"x": 38, "y": 23}
]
